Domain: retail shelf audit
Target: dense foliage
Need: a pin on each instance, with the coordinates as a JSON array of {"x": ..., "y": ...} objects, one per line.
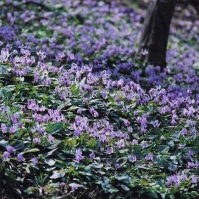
[{"x": 81, "y": 118}]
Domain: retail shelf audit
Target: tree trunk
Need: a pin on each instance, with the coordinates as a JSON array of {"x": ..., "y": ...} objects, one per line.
[
  {"x": 153, "y": 42},
  {"x": 195, "y": 4}
]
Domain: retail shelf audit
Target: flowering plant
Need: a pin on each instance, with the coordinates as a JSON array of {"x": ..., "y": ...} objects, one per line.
[{"x": 80, "y": 117}]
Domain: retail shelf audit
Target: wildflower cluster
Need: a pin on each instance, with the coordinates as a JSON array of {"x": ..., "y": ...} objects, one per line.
[{"x": 77, "y": 115}]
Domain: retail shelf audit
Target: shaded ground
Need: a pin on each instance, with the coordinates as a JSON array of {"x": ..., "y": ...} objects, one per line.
[{"x": 115, "y": 53}]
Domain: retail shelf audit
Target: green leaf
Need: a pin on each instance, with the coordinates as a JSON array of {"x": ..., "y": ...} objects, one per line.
[
  {"x": 53, "y": 128},
  {"x": 113, "y": 190},
  {"x": 123, "y": 151},
  {"x": 144, "y": 183},
  {"x": 163, "y": 195},
  {"x": 18, "y": 144},
  {"x": 58, "y": 174},
  {"x": 163, "y": 175},
  {"x": 50, "y": 152},
  {"x": 163, "y": 148},
  {"x": 84, "y": 173},
  {"x": 74, "y": 88},
  {"x": 77, "y": 185},
  {"x": 55, "y": 145},
  {"x": 121, "y": 177},
  {"x": 26, "y": 120},
  {"x": 124, "y": 187},
  {"x": 73, "y": 142},
  {"x": 171, "y": 144},
  {"x": 50, "y": 162},
  {"x": 31, "y": 190},
  {"x": 194, "y": 193},
  {"x": 61, "y": 156},
  {"x": 71, "y": 169},
  {"x": 6, "y": 93},
  {"x": 99, "y": 182},
  {"x": 142, "y": 167},
  {"x": 153, "y": 194},
  {"x": 3, "y": 143},
  {"x": 161, "y": 162},
  {"x": 72, "y": 108},
  {"x": 3, "y": 70},
  {"x": 92, "y": 142},
  {"x": 32, "y": 150},
  {"x": 96, "y": 165}
]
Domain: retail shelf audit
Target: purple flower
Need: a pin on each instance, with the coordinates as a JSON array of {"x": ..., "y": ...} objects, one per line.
[
  {"x": 62, "y": 184},
  {"x": 117, "y": 99},
  {"x": 4, "y": 55},
  {"x": 149, "y": 157},
  {"x": 110, "y": 150},
  {"x": 12, "y": 129},
  {"x": 143, "y": 121},
  {"x": 79, "y": 111},
  {"x": 20, "y": 158},
  {"x": 94, "y": 112},
  {"x": 73, "y": 186},
  {"x": 133, "y": 158},
  {"x": 51, "y": 138},
  {"x": 155, "y": 123},
  {"x": 130, "y": 129},
  {"x": 41, "y": 131},
  {"x": 181, "y": 146},
  {"x": 120, "y": 83},
  {"x": 108, "y": 164},
  {"x": 10, "y": 149},
  {"x": 71, "y": 56},
  {"x": 144, "y": 144},
  {"x": 103, "y": 138},
  {"x": 32, "y": 105},
  {"x": 37, "y": 140},
  {"x": 135, "y": 113},
  {"x": 173, "y": 122},
  {"x": 78, "y": 155},
  {"x": 144, "y": 52},
  {"x": 3, "y": 128},
  {"x": 194, "y": 179},
  {"x": 104, "y": 94},
  {"x": 134, "y": 142},
  {"x": 57, "y": 90},
  {"x": 77, "y": 132},
  {"x": 41, "y": 55},
  {"x": 92, "y": 156},
  {"x": 60, "y": 56},
  {"x": 126, "y": 123},
  {"x": 34, "y": 160},
  {"x": 193, "y": 165},
  {"x": 162, "y": 137},
  {"x": 120, "y": 144},
  {"x": 6, "y": 155},
  {"x": 117, "y": 166},
  {"x": 14, "y": 118},
  {"x": 183, "y": 177},
  {"x": 190, "y": 153},
  {"x": 173, "y": 179}
]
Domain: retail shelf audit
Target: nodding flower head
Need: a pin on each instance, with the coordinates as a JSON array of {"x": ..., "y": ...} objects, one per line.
[
  {"x": 78, "y": 155},
  {"x": 4, "y": 55},
  {"x": 10, "y": 149},
  {"x": 20, "y": 158},
  {"x": 34, "y": 160},
  {"x": 133, "y": 158},
  {"x": 6, "y": 155}
]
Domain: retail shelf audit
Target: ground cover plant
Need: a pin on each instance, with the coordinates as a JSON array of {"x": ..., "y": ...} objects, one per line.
[{"x": 80, "y": 117}]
